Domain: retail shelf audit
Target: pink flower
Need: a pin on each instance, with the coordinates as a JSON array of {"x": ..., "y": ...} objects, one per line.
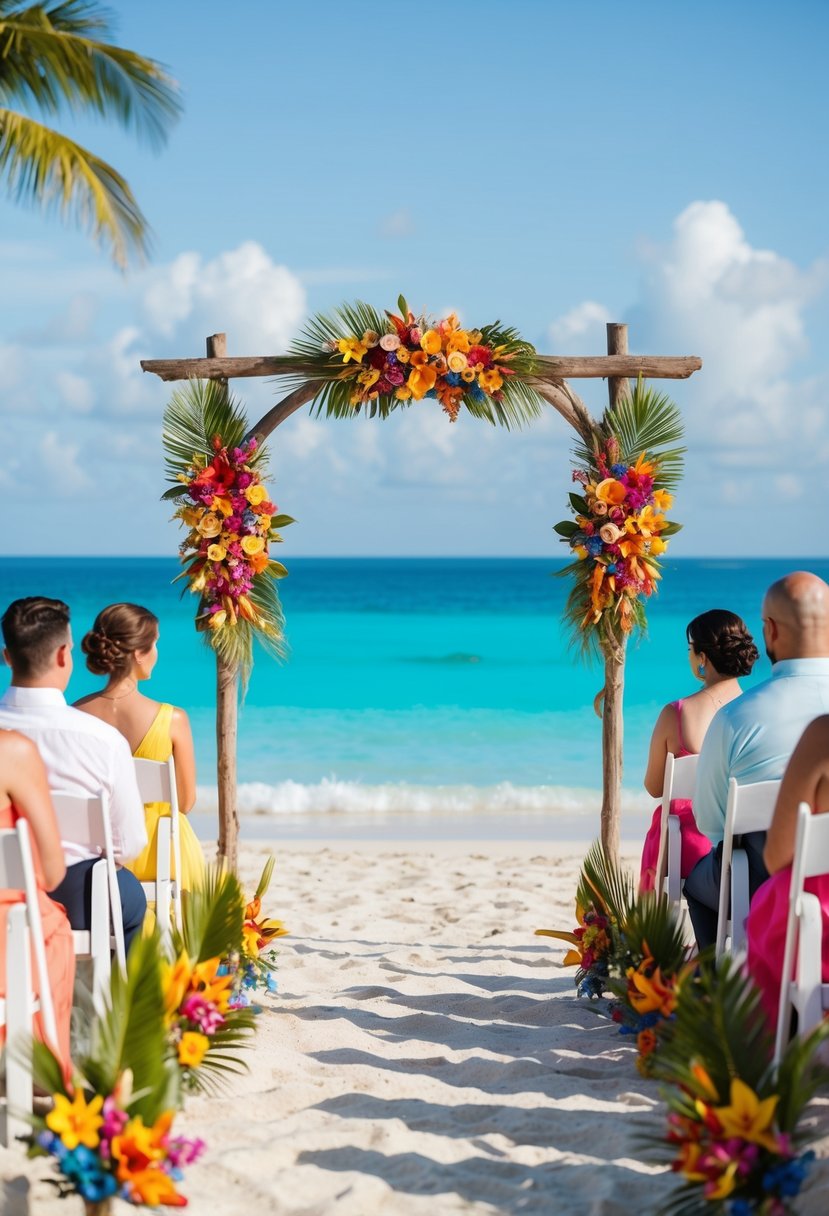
[{"x": 202, "y": 1013}]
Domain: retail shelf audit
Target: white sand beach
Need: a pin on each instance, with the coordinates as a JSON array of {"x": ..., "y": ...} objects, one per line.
[{"x": 426, "y": 1053}]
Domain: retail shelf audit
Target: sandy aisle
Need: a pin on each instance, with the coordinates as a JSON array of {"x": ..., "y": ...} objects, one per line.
[{"x": 426, "y": 1053}]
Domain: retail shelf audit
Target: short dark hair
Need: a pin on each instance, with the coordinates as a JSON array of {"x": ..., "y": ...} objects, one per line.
[
  {"x": 33, "y": 628},
  {"x": 725, "y": 641}
]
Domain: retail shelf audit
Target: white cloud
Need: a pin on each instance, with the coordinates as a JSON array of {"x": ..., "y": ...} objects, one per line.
[
  {"x": 586, "y": 319},
  {"x": 76, "y": 392},
  {"x": 60, "y": 461},
  {"x": 398, "y": 224}
]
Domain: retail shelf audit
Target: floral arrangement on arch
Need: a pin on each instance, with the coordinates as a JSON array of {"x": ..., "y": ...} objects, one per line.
[
  {"x": 620, "y": 530},
  {"x": 231, "y": 522},
  {"x": 110, "y": 1131},
  {"x": 734, "y": 1130},
  {"x": 365, "y": 359}
]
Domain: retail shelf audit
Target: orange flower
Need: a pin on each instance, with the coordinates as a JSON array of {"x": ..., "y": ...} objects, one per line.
[
  {"x": 210, "y": 985},
  {"x": 175, "y": 981},
  {"x": 648, "y": 991},
  {"x": 611, "y": 491},
  {"x": 421, "y": 380},
  {"x": 138, "y": 1146},
  {"x": 259, "y": 562},
  {"x": 431, "y": 342},
  {"x": 154, "y": 1188}
]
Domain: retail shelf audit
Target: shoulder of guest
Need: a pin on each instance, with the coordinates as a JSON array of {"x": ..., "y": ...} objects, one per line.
[{"x": 89, "y": 724}]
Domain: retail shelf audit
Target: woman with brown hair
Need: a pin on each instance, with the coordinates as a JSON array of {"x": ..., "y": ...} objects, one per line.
[{"x": 123, "y": 645}]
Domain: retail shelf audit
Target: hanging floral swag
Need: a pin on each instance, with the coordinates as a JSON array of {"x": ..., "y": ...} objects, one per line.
[
  {"x": 217, "y": 472},
  {"x": 619, "y": 529}
]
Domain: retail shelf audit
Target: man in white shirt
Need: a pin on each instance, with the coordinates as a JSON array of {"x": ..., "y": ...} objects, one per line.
[
  {"x": 82, "y": 754},
  {"x": 752, "y": 737}
]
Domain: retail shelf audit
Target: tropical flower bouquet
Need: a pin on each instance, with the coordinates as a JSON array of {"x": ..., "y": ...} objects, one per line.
[
  {"x": 619, "y": 529},
  {"x": 603, "y": 898},
  {"x": 376, "y": 361},
  {"x": 110, "y": 1131},
  {"x": 253, "y": 969},
  {"x": 734, "y": 1122},
  {"x": 648, "y": 964},
  {"x": 231, "y": 522},
  {"x": 206, "y": 1025}
]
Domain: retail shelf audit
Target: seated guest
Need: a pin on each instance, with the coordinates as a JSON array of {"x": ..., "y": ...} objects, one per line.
[
  {"x": 123, "y": 645},
  {"x": 81, "y": 755},
  {"x": 24, "y": 794},
  {"x": 806, "y": 780},
  {"x": 752, "y": 738},
  {"x": 720, "y": 649}
]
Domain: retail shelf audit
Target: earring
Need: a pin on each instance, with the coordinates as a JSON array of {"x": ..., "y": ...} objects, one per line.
[{"x": 701, "y": 670}]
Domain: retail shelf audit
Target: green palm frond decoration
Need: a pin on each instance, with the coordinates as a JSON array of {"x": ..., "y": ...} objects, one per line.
[
  {"x": 734, "y": 1121},
  {"x": 652, "y": 929},
  {"x": 215, "y": 475},
  {"x": 618, "y": 528},
  {"x": 213, "y": 918},
  {"x": 605, "y": 880},
  {"x": 58, "y": 56},
  {"x": 317, "y": 356}
]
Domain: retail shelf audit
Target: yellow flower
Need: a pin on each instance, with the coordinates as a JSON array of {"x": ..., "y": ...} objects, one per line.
[
  {"x": 725, "y": 1183},
  {"x": 370, "y": 376},
  {"x": 658, "y": 545},
  {"x": 402, "y": 354},
  {"x": 217, "y": 553},
  {"x": 76, "y": 1122},
  {"x": 421, "y": 379},
  {"x": 223, "y": 504},
  {"x": 190, "y": 516},
  {"x": 138, "y": 1147},
  {"x": 217, "y": 619},
  {"x": 491, "y": 380},
  {"x": 256, "y": 494},
  {"x": 212, "y": 987},
  {"x": 175, "y": 981},
  {"x": 431, "y": 342},
  {"x": 458, "y": 341},
  {"x": 456, "y": 361},
  {"x": 467, "y": 375},
  {"x": 403, "y": 393},
  {"x": 252, "y": 544},
  {"x": 192, "y": 1048},
  {"x": 748, "y": 1116},
  {"x": 264, "y": 521},
  {"x": 611, "y": 491},
  {"x": 351, "y": 348},
  {"x": 662, "y": 499},
  {"x": 199, "y": 582},
  {"x": 210, "y": 525}
]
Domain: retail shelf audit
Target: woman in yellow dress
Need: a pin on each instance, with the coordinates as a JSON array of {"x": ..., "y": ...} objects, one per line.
[{"x": 123, "y": 645}]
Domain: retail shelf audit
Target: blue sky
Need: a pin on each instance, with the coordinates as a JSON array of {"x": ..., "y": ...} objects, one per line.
[{"x": 548, "y": 164}]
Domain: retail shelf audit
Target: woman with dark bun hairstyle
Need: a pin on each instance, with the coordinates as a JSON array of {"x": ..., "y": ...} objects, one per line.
[
  {"x": 123, "y": 646},
  {"x": 720, "y": 649}
]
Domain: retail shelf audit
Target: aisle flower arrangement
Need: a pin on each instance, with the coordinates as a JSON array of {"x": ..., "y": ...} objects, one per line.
[
  {"x": 110, "y": 1131},
  {"x": 377, "y": 362},
  {"x": 734, "y": 1130},
  {"x": 619, "y": 528},
  {"x": 230, "y": 519},
  {"x": 256, "y": 966}
]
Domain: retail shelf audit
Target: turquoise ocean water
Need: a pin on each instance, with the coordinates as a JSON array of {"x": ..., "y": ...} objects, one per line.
[{"x": 415, "y": 685}]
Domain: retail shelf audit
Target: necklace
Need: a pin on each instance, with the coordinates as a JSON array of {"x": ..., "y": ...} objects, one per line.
[{"x": 104, "y": 697}]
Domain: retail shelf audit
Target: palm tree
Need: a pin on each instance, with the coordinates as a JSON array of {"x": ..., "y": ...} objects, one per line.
[{"x": 55, "y": 56}]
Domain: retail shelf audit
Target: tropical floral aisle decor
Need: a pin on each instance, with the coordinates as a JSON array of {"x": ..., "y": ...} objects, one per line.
[
  {"x": 734, "y": 1134},
  {"x": 206, "y": 1026},
  {"x": 230, "y": 519},
  {"x": 603, "y": 899},
  {"x": 648, "y": 961},
  {"x": 378, "y": 362},
  {"x": 110, "y": 1131},
  {"x": 254, "y": 968},
  {"x": 620, "y": 529}
]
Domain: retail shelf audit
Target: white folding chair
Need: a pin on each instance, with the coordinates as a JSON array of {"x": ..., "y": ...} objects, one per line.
[
  {"x": 24, "y": 937},
  {"x": 749, "y": 809},
  {"x": 157, "y": 783},
  {"x": 84, "y": 821},
  {"x": 803, "y": 953},
  {"x": 680, "y": 779}
]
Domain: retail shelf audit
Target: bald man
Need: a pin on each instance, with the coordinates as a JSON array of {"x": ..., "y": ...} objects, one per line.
[{"x": 752, "y": 737}]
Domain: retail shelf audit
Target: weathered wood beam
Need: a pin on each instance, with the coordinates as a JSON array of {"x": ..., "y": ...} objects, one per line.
[{"x": 551, "y": 367}]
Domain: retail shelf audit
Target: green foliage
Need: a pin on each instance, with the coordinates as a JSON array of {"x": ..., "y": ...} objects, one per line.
[
  {"x": 651, "y": 929},
  {"x": 647, "y": 420},
  {"x": 605, "y": 883},
  {"x": 58, "y": 56},
  {"x": 213, "y": 918}
]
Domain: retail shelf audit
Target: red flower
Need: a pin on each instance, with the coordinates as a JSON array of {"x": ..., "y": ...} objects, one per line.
[{"x": 479, "y": 356}]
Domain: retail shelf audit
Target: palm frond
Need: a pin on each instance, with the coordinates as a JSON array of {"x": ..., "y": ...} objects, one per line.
[
  {"x": 212, "y": 918},
  {"x": 604, "y": 877},
  {"x": 265, "y": 879},
  {"x": 647, "y": 420},
  {"x": 43, "y": 167},
  {"x": 60, "y": 54},
  {"x": 652, "y": 929},
  {"x": 197, "y": 411},
  {"x": 223, "y": 1058},
  {"x": 131, "y": 1034}
]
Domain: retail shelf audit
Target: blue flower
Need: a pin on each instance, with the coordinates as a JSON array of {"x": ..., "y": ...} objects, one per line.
[
  {"x": 611, "y": 569},
  {"x": 453, "y": 378},
  {"x": 476, "y": 392},
  {"x": 272, "y": 983},
  {"x": 618, "y": 470},
  {"x": 432, "y": 395},
  {"x": 740, "y": 1207},
  {"x": 594, "y": 545}
]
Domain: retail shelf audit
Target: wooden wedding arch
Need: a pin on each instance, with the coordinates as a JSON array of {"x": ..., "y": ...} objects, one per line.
[{"x": 550, "y": 383}]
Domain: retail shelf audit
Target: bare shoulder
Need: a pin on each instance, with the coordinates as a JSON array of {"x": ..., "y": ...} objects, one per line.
[
  {"x": 180, "y": 722},
  {"x": 17, "y": 748},
  {"x": 90, "y": 704}
]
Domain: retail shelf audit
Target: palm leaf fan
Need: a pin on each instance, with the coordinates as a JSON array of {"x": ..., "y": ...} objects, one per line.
[{"x": 212, "y": 918}]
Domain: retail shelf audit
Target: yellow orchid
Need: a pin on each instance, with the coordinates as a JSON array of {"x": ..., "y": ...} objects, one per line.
[
  {"x": 725, "y": 1183},
  {"x": 351, "y": 348},
  {"x": 76, "y": 1122},
  {"x": 611, "y": 491},
  {"x": 490, "y": 381},
  {"x": 662, "y": 499},
  {"x": 175, "y": 980},
  {"x": 748, "y": 1116},
  {"x": 210, "y": 985},
  {"x": 223, "y": 505},
  {"x": 648, "y": 991},
  {"x": 192, "y": 1048}
]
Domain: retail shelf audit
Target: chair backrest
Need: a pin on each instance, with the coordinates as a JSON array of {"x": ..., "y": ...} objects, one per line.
[
  {"x": 17, "y": 873},
  {"x": 683, "y": 777},
  {"x": 84, "y": 820},
  {"x": 811, "y": 855},
  {"x": 750, "y": 807},
  {"x": 157, "y": 781}
]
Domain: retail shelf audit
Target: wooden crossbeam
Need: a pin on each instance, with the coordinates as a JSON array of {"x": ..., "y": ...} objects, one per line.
[{"x": 551, "y": 367}]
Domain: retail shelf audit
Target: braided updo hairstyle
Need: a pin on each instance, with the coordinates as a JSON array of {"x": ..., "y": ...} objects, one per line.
[
  {"x": 119, "y": 631},
  {"x": 725, "y": 641}
]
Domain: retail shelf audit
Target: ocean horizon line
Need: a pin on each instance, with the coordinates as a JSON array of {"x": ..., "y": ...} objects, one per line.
[{"x": 431, "y": 557}]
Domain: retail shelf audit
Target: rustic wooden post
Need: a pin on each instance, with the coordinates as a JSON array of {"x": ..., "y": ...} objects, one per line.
[
  {"x": 227, "y": 715},
  {"x": 614, "y": 662}
]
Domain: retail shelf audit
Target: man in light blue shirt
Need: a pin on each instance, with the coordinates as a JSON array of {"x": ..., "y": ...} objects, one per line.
[{"x": 752, "y": 737}]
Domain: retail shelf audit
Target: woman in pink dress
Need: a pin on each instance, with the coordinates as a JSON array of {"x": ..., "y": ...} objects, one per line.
[
  {"x": 24, "y": 794},
  {"x": 806, "y": 779},
  {"x": 720, "y": 649}
]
